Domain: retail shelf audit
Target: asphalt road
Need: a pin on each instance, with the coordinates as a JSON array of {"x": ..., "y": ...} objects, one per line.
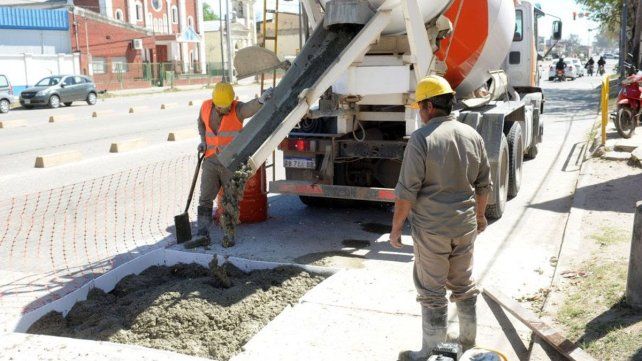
[{"x": 74, "y": 129}]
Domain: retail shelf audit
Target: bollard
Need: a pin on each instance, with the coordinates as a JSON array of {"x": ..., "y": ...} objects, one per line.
[
  {"x": 605, "y": 107},
  {"x": 633, "y": 283}
]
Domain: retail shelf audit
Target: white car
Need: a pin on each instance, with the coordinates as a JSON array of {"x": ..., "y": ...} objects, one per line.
[
  {"x": 573, "y": 68},
  {"x": 581, "y": 71}
]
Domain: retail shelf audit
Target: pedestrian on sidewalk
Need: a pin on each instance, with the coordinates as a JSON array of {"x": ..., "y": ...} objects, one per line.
[
  {"x": 220, "y": 120},
  {"x": 443, "y": 187}
]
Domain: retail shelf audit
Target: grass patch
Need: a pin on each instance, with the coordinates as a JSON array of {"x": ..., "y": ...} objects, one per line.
[
  {"x": 596, "y": 316},
  {"x": 610, "y": 235}
]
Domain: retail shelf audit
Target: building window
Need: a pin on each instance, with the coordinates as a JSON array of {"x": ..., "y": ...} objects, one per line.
[
  {"x": 150, "y": 21},
  {"x": 139, "y": 11},
  {"x": 190, "y": 22},
  {"x": 165, "y": 24},
  {"x": 157, "y": 5},
  {"x": 98, "y": 65},
  {"x": 118, "y": 15},
  {"x": 174, "y": 15},
  {"x": 119, "y": 65}
]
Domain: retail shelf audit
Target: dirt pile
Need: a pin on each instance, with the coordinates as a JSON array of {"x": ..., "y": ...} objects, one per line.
[{"x": 184, "y": 308}]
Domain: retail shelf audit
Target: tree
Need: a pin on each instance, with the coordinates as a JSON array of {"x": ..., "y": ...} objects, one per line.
[
  {"x": 606, "y": 12},
  {"x": 208, "y": 13}
]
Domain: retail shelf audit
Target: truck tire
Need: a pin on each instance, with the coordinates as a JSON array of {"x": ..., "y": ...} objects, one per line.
[
  {"x": 516, "y": 159},
  {"x": 499, "y": 195},
  {"x": 314, "y": 201}
]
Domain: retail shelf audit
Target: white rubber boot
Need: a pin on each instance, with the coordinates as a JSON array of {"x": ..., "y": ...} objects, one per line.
[{"x": 434, "y": 322}]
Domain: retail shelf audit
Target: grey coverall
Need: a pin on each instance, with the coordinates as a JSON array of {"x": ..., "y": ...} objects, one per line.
[
  {"x": 213, "y": 174},
  {"x": 444, "y": 165}
]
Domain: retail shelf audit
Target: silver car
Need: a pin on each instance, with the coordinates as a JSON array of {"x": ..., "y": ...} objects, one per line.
[
  {"x": 59, "y": 89},
  {"x": 6, "y": 94}
]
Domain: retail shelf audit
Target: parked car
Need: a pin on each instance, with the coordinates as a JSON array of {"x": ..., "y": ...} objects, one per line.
[
  {"x": 572, "y": 70},
  {"x": 59, "y": 89},
  {"x": 581, "y": 71},
  {"x": 6, "y": 94}
]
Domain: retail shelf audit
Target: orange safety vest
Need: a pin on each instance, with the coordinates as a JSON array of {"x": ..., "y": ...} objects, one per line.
[{"x": 229, "y": 128}]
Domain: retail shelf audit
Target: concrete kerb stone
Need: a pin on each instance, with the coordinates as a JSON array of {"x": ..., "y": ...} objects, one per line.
[
  {"x": 55, "y": 159},
  {"x": 168, "y": 105},
  {"x": 15, "y": 123},
  {"x": 61, "y": 118},
  {"x": 127, "y": 145},
  {"x": 616, "y": 156},
  {"x": 182, "y": 134}
]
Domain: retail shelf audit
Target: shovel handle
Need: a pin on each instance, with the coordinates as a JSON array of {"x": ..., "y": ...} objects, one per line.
[{"x": 201, "y": 155}]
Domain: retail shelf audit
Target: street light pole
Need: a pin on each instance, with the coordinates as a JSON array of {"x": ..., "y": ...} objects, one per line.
[
  {"x": 220, "y": 30},
  {"x": 228, "y": 26}
]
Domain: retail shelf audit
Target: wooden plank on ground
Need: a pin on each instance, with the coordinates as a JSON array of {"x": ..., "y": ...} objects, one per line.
[{"x": 547, "y": 333}]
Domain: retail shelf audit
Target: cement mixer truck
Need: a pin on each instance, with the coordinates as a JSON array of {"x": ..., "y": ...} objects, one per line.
[{"x": 341, "y": 113}]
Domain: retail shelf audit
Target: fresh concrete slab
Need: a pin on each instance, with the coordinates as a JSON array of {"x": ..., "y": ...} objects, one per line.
[
  {"x": 182, "y": 134},
  {"x": 25, "y": 347},
  {"x": 12, "y": 123},
  {"x": 55, "y": 159},
  {"x": 127, "y": 145}
]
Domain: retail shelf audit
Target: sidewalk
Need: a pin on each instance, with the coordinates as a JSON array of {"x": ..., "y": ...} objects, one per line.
[
  {"x": 585, "y": 302},
  {"x": 156, "y": 90}
]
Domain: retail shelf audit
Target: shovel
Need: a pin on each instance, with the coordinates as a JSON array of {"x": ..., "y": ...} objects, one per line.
[{"x": 181, "y": 221}]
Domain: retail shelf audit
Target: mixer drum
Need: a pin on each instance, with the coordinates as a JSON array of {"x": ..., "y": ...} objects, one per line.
[
  {"x": 482, "y": 36},
  {"x": 430, "y": 9}
]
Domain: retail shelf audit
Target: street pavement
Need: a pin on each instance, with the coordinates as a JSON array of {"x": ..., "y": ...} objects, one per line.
[
  {"x": 367, "y": 312},
  {"x": 74, "y": 129}
]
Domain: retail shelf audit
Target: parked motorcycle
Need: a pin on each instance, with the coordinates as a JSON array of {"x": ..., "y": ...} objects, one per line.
[{"x": 628, "y": 105}]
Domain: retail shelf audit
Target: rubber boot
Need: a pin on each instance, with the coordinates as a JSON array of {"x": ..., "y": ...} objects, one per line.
[
  {"x": 467, "y": 313},
  {"x": 203, "y": 221},
  {"x": 434, "y": 322}
]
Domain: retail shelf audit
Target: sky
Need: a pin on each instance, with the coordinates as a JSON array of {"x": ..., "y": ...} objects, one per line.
[{"x": 561, "y": 8}]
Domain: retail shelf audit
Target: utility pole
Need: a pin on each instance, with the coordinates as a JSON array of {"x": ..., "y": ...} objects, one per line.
[
  {"x": 228, "y": 26},
  {"x": 623, "y": 40},
  {"x": 220, "y": 30}
]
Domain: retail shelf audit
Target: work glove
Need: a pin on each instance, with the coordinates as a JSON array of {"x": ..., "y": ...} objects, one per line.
[
  {"x": 267, "y": 95},
  {"x": 202, "y": 147}
]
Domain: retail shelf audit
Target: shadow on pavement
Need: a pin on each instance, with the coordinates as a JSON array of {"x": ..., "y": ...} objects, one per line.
[
  {"x": 627, "y": 205},
  {"x": 620, "y": 315}
]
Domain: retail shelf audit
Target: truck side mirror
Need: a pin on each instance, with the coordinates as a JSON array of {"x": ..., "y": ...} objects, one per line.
[{"x": 557, "y": 30}]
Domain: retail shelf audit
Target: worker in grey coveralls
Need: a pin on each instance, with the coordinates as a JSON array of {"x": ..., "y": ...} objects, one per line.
[
  {"x": 225, "y": 117},
  {"x": 443, "y": 186}
]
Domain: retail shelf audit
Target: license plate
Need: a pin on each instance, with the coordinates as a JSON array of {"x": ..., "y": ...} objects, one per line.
[
  {"x": 301, "y": 163},
  {"x": 27, "y": 101}
]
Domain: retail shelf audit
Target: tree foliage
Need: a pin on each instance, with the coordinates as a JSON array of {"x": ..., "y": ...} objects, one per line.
[
  {"x": 606, "y": 12},
  {"x": 208, "y": 13}
]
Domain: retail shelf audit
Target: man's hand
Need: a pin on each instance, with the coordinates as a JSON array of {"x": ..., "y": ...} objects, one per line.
[
  {"x": 201, "y": 147},
  {"x": 482, "y": 223},
  {"x": 395, "y": 239},
  {"x": 267, "y": 95}
]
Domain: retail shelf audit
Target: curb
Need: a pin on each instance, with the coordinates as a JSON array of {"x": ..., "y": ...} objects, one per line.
[
  {"x": 127, "y": 145},
  {"x": 182, "y": 134},
  {"x": 13, "y": 123},
  {"x": 55, "y": 159}
]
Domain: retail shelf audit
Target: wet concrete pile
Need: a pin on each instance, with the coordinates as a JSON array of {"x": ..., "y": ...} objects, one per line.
[
  {"x": 185, "y": 308},
  {"x": 232, "y": 194}
]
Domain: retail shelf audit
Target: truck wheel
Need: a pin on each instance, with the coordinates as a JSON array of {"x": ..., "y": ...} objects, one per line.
[
  {"x": 314, "y": 201},
  {"x": 500, "y": 183},
  {"x": 516, "y": 151}
]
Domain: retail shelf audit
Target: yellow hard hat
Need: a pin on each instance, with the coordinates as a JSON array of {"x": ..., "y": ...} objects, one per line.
[
  {"x": 431, "y": 86},
  {"x": 223, "y": 95}
]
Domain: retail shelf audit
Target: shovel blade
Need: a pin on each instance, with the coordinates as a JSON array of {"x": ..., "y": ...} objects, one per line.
[{"x": 183, "y": 228}]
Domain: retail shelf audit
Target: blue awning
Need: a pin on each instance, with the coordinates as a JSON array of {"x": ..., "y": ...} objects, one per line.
[{"x": 33, "y": 19}]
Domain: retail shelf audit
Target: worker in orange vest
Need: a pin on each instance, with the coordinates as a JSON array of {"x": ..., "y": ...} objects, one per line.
[{"x": 220, "y": 120}]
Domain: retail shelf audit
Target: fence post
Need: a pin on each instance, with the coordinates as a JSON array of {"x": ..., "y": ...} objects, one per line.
[{"x": 634, "y": 279}]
